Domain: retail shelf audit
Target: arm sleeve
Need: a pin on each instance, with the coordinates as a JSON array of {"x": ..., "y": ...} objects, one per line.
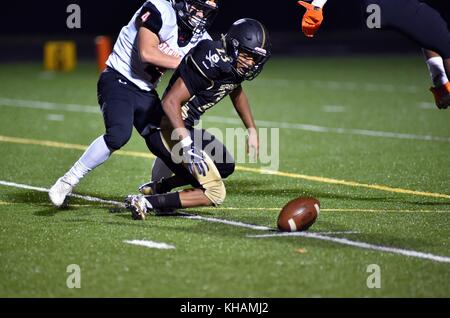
[{"x": 150, "y": 18}]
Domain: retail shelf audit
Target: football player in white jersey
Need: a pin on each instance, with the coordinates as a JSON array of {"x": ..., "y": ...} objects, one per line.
[{"x": 157, "y": 37}]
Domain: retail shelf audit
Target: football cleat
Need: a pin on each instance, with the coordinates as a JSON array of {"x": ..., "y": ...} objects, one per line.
[
  {"x": 138, "y": 205},
  {"x": 59, "y": 191},
  {"x": 442, "y": 95},
  {"x": 152, "y": 188}
]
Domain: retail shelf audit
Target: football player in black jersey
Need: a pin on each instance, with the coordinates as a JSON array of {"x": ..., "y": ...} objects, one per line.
[
  {"x": 210, "y": 72},
  {"x": 424, "y": 21}
]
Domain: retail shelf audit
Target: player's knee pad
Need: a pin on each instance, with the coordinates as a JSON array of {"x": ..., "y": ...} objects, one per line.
[
  {"x": 215, "y": 191},
  {"x": 212, "y": 183},
  {"x": 117, "y": 137}
]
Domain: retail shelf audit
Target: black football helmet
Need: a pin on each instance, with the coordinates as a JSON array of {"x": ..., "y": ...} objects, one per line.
[
  {"x": 251, "y": 37},
  {"x": 188, "y": 14}
]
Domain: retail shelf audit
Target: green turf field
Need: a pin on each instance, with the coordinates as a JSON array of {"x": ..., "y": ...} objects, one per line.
[{"x": 378, "y": 131}]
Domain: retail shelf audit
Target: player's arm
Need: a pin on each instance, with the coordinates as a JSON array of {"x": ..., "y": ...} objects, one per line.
[
  {"x": 192, "y": 78},
  {"x": 149, "y": 24},
  {"x": 149, "y": 51},
  {"x": 313, "y": 17},
  {"x": 172, "y": 102},
  {"x": 242, "y": 106}
]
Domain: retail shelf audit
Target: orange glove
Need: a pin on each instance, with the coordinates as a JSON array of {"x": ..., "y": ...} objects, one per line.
[{"x": 312, "y": 20}]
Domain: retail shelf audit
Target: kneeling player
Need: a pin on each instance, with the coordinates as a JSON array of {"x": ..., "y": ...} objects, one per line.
[{"x": 210, "y": 72}]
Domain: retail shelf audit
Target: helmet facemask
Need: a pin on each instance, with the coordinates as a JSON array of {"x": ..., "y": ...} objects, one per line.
[
  {"x": 258, "y": 58},
  {"x": 197, "y": 15},
  {"x": 248, "y": 62}
]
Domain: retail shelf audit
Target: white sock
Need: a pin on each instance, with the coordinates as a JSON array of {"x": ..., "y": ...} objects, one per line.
[
  {"x": 437, "y": 71},
  {"x": 97, "y": 153}
]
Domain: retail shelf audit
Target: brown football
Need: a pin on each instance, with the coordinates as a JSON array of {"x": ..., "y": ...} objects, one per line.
[{"x": 298, "y": 215}]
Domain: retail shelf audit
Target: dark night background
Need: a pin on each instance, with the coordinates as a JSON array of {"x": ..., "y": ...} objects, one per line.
[
  {"x": 103, "y": 16},
  {"x": 25, "y": 25}
]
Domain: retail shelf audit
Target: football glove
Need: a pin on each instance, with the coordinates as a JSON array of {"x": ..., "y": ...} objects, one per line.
[
  {"x": 195, "y": 159},
  {"x": 312, "y": 19}
]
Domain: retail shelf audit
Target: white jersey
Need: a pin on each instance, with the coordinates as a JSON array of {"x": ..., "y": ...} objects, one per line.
[{"x": 159, "y": 17}]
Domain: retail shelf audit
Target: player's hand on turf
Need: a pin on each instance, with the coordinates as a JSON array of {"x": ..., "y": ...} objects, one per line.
[
  {"x": 312, "y": 19},
  {"x": 253, "y": 144},
  {"x": 195, "y": 159}
]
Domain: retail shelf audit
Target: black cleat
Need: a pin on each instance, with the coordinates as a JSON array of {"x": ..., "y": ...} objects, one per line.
[{"x": 152, "y": 188}]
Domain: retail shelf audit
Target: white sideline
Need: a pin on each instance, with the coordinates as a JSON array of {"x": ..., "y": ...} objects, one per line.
[
  {"x": 7, "y": 102},
  {"x": 319, "y": 236}
]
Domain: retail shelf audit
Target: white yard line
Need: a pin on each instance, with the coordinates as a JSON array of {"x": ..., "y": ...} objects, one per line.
[
  {"x": 341, "y": 85},
  {"x": 7, "y": 102},
  {"x": 364, "y": 245},
  {"x": 84, "y": 197},
  {"x": 286, "y": 234},
  {"x": 318, "y": 236},
  {"x": 232, "y": 223},
  {"x": 322, "y": 129},
  {"x": 20, "y": 103}
]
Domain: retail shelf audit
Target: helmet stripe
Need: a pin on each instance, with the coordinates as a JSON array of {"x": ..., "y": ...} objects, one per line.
[{"x": 264, "y": 34}]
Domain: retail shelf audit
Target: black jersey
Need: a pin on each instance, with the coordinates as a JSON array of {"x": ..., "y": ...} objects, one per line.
[{"x": 209, "y": 76}]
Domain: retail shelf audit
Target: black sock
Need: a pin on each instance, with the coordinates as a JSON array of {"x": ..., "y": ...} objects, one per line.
[
  {"x": 165, "y": 201},
  {"x": 171, "y": 183}
]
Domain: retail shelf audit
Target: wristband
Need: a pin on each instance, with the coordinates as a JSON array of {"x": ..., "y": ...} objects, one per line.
[
  {"x": 319, "y": 3},
  {"x": 186, "y": 142}
]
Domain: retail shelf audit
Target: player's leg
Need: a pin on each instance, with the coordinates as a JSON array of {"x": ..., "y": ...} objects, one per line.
[
  {"x": 140, "y": 204},
  {"x": 207, "y": 190},
  {"x": 116, "y": 101},
  {"x": 164, "y": 180},
  {"x": 441, "y": 85}
]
